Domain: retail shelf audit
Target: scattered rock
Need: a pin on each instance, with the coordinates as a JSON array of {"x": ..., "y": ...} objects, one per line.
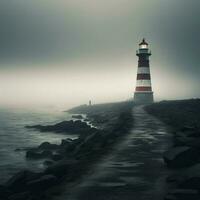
[
  {"x": 183, "y": 117},
  {"x": 73, "y": 127},
  {"x": 48, "y": 150}
]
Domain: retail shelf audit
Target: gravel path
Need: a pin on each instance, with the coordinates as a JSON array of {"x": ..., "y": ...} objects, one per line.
[{"x": 135, "y": 169}]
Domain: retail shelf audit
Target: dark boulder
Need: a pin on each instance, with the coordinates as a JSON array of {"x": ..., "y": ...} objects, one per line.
[
  {"x": 182, "y": 156},
  {"x": 73, "y": 127}
]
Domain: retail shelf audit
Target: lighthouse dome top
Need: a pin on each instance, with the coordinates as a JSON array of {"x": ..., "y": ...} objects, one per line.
[{"x": 143, "y": 44}]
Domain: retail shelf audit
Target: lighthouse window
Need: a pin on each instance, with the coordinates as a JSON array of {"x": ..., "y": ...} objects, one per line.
[{"x": 143, "y": 46}]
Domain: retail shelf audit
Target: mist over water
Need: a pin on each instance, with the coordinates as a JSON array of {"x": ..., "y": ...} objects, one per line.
[{"x": 14, "y": 135}]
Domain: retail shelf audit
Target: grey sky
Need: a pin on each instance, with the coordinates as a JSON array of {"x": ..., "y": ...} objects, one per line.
[{"x": 80, "y": 37}]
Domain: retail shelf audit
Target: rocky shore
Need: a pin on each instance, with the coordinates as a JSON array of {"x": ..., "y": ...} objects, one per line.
[
  {"x": 71, "y": 159},
  {"x": 183, "y": 159},
  {"x": 73, "y": 127}
]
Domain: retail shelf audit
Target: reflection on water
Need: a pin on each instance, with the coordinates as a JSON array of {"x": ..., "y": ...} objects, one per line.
[{"x": 14, "y": 135}]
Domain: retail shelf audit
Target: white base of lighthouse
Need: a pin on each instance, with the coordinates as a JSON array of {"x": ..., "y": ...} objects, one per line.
[{"x": 143, "y": 97}]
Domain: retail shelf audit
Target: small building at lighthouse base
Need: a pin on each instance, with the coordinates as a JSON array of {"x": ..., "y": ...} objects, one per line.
[{"x": 143, "y": 97}]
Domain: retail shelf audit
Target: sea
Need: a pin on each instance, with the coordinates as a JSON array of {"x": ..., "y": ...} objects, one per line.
[{"x": 14, "y": 135}]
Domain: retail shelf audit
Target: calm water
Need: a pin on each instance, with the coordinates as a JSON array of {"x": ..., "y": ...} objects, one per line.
[{"x": 14, "y": 135}]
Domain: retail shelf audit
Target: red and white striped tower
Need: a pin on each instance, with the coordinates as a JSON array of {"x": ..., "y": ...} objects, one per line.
[{"x": 143, "y": 91}]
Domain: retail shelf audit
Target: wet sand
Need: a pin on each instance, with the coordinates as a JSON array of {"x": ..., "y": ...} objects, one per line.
[{"x": 134, "y": 170}]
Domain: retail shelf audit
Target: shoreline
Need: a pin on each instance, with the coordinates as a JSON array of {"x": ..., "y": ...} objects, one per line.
[
  {"x": 75, "y": 154},
  {"x": 14, "y": 136},
  {"x": 70, "y": 161}
]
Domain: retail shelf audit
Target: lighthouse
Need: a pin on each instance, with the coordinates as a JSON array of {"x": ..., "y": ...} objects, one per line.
[{"x": 143, "y": 90}]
